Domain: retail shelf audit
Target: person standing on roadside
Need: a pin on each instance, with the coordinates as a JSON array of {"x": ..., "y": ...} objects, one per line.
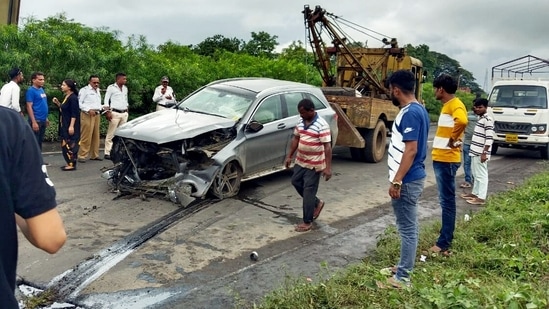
[
  {"x": 446, "y": 156},
  {"x": 37, "y": 107},
  {"x": 11, "y": 92},
  {"x": 407, "y": 153},
  {"x": 89, "y": 100},
  {"x": 116, "y": 101},
  {"x": 312, "y": 141},
  {"x": 481, "y": 145},
  {"x": 69, "y": 130},
  {"x": 467, "y": 136},
  {"x": 28, "y": 201},
  {"x": 164, "y": 97}
]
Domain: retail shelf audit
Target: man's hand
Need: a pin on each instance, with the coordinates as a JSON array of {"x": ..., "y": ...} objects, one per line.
[
  {"x": 483, "y": 157},
  {"x": 35, "y": 126},
  {"x": 288, "y": 162},
  {"x": 327, "y": 174},
  {"x": 394, "y": 193}
]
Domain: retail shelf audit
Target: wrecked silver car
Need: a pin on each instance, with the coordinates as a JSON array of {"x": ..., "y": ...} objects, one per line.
[{"x": 223, "y": 133}]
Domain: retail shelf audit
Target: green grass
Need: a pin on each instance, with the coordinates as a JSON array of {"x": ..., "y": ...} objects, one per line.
[{"x": 500, "y": 260}]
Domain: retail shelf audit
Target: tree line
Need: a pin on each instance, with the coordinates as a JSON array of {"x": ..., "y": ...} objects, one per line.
[{"x": 63, "y": 48}]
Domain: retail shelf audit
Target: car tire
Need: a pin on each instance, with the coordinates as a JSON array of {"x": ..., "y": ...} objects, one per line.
[{"x": 227, "y": 182}]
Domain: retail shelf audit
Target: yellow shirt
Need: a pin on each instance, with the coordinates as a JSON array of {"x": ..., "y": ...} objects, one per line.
[{"x": 451, "y": 124}]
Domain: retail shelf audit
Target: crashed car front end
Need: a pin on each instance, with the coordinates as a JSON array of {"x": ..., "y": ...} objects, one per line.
[{"x": 179, "y": 170}]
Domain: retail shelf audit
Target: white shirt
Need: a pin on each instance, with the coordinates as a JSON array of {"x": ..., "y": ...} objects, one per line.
[
  {"x": 89, "y": 98},
  {"x": 116, "y": 98},
  {"x": 160, "y": 98},
  {"x": 9, "y": 96}
]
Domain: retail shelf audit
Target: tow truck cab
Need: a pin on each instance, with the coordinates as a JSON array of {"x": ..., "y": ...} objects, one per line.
[{"x": 521, "y": 115}]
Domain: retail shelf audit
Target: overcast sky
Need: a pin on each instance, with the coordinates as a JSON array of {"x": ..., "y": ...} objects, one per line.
[{"x": 478, "y": 34}]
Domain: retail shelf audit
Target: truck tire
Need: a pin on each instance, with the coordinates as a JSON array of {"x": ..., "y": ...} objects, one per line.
[
  {"x": 544, "y": 152},
  {"x": 376, "y": 141},
  {"x": 494, "y": 149}
]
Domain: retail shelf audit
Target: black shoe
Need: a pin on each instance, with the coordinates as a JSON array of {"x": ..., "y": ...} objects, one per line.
[
  {"x": 98, "y": 159},
  {"x": 82, "y": 160},
  {"x": 107, "y": 157},
  {"x": 46, "y": 164}
]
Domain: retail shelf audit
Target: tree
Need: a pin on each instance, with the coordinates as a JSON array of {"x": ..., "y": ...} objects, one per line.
[
  {"x": 262, "y": 44},
  {"x": 210, "y": 45}
]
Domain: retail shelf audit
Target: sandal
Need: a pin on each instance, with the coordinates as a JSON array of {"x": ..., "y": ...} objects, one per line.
[
  {"x": 465, "y": 185},
  {"x": 303, "y": 227},
  {"x": 318, "y": 209},
  {"x": 68, "y": 168},
  {"x": 437, "y": 250}
]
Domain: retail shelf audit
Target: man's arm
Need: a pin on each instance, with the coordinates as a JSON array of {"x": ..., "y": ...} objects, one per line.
[
  {"x": 291, "y": 151},
  {"x": 44, "y": 231},
  {"x": 410, "y": 151},
  {"x": 327, "y": 172},
  {"x": 107, "y": 99},
  {"x": 16, "y": 92},
  {"x": 157, "y": 94}
]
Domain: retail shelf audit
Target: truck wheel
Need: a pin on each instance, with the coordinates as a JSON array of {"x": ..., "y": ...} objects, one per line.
[
  {"x": 494, "y": 149},
  {"x": 376, "y": 141},
  {"x": 544, "y": 151}
]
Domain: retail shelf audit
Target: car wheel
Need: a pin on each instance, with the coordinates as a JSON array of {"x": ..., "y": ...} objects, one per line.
[
  {"x": 227, "y": 182},
  {"x": 544, "y": 152}
]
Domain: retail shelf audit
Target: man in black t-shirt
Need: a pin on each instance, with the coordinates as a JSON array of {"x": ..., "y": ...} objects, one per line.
[{"x": 27, "y": 198}]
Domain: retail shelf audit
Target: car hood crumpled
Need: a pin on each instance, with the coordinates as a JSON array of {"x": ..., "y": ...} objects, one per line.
[{"x": 170, "y": 125}]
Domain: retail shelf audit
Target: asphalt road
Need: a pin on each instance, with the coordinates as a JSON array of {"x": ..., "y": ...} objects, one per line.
[{"x": 201, "y": 259}]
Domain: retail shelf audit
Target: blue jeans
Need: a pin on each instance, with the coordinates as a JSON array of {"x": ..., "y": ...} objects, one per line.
[
  {"x": 405, "y": 209},
  {"x": 41, "y": 132},
  {"x": 305, "y": 182},
  {"x": 445, "y": 173},
  {"x": 467, "y": 163}
]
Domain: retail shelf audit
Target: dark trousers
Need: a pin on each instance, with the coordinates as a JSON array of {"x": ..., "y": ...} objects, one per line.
[
  {"x": 69, "y": 148},
  {"x": 305, "y": 181},
  {"x": 41, "y": 132}
]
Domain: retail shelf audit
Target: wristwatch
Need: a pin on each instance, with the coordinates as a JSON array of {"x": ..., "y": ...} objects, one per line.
[{"x": 397, "y": 185}]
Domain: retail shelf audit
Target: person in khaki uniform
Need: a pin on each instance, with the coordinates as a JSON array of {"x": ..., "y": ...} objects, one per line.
[{"x": 89, "y": 100}]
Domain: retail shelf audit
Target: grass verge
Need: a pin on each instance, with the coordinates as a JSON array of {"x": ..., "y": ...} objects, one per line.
[{"x": 500, "y": 260}]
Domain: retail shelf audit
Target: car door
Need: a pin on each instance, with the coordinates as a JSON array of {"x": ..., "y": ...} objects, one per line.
[{"x": 265, "y": 149}]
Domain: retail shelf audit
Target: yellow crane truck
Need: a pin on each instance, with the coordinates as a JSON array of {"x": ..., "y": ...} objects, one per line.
[{"x": 354, "y": 82}]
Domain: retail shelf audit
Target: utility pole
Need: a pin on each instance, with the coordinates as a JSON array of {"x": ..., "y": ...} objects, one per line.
[{"x": 10, "y": 12}]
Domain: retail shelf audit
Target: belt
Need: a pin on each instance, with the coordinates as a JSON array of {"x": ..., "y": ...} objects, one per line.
[{"x": 119, "y": 110}]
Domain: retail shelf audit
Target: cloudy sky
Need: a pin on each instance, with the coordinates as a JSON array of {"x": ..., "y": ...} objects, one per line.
[{"x": 478, "y": 34}]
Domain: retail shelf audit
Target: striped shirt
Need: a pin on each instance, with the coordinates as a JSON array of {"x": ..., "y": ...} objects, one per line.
[
  {"x": 451, "y": 124},
  {"x": 310, "y": 150},
  {"x": 482, "y": 136},
  {"x": 411, "y": 124}
]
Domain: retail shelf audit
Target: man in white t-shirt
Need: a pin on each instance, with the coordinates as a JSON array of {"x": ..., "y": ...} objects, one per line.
[{"x": 10, "y": 92}]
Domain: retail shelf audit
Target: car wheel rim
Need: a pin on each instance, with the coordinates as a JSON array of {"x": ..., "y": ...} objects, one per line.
[{"x": 227, "y": 183}]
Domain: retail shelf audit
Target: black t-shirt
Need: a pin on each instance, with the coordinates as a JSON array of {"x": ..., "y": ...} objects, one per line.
[{"x": 25, "y": 189}]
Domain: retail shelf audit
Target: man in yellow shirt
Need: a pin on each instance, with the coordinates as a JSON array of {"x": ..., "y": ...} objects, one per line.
[{"x": 447, "y": 156}]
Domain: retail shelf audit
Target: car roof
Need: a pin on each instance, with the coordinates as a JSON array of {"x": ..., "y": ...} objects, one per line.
[{"x": 259, "y": 84}]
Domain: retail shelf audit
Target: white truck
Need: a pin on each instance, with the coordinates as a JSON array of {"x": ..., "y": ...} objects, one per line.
[{"x": 519, "y": 106}]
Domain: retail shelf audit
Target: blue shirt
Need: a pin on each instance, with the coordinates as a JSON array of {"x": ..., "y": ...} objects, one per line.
[
  {"x": 411, "y": 124},
  {"x": 37, "y": 97}
]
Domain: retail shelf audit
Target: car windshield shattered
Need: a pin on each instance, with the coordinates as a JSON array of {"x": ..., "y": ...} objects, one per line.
[{"x": 218, "y": 102}]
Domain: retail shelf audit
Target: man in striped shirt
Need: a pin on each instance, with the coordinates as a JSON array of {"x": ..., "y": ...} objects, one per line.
[
  {"x": 480, "y": 153},
  {"x": 312, "y": 141},
  {"x": 447, "y": 156},
  {"x": 407, "y": 152}
]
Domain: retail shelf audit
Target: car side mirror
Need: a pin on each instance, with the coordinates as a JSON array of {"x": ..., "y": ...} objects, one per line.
[{"x": 254, "y": 126}]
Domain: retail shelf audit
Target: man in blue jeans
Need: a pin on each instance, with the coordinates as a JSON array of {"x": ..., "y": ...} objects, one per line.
[
  {"x": 471, "y": 122},
  {"x": 446, "y": 156},
  {"x": 37, "y": 107},
  {"x": 407, "y": 153}
]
